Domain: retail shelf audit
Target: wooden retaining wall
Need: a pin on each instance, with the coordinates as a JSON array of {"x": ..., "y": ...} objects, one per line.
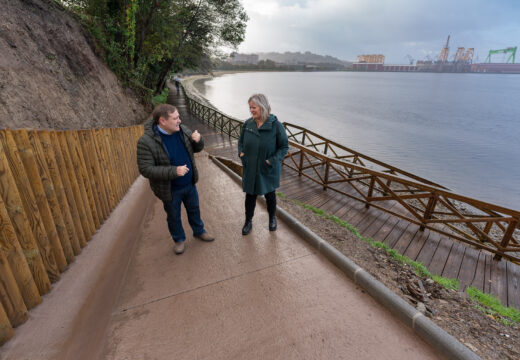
[{"x": 57, "y": 188}]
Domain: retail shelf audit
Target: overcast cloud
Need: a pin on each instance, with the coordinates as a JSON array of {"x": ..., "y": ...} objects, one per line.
[{"x": 397, "y": 28}]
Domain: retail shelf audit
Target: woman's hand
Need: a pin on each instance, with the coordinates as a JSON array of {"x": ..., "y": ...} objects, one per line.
[
  {"x": 268, "y": 163},
  {"x": 241, "y": 154}
]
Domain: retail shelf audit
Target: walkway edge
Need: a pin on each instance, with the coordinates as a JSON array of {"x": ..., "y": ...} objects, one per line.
[{"x": 424, "y": 327}]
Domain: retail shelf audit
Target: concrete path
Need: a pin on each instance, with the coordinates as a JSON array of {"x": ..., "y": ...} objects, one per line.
[{"x": 267, "y": 295}]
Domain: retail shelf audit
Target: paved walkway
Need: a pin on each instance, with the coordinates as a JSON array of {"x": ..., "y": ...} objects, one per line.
[
  {"x": 262, "y": 296},
  {"x": 267, "y": 295}
]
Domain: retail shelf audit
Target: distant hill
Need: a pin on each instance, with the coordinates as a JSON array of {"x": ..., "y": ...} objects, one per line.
[{"x": 295, "y": 58}]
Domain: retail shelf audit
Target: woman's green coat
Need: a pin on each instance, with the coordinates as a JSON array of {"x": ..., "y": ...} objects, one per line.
[{"x": 269, "y": 142}]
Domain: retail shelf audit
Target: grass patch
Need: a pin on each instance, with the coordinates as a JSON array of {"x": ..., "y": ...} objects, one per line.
[
  {"x": 487, "y": 303},
  {"x": 493, "y": 306}
]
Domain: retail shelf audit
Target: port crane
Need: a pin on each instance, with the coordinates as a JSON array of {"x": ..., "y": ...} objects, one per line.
[
  {"x": 443, "y": 57},
  {"x": 509, "y": 50}
]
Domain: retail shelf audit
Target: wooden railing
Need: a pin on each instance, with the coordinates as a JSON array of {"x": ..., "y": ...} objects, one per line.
[
  {"x": 337, "y": 168},
  {"x": 57, "y": 188}
]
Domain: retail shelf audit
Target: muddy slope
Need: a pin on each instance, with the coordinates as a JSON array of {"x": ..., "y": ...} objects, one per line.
[{"x": 49, "y": 75}]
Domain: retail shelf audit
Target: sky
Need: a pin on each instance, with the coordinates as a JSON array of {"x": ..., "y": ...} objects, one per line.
[{"x": 394, "y": 28}]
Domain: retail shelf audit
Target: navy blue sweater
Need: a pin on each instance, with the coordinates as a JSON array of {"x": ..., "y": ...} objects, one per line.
[{"x": 178, "y": 157}]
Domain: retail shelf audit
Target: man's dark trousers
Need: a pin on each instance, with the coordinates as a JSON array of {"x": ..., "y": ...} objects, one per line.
[{"x": 189, "y": 196}]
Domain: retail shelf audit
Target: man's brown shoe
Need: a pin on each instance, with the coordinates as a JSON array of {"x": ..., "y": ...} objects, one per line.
[
  {"x": 178, "y": 247},
  {"x": 205, "y": 237}
]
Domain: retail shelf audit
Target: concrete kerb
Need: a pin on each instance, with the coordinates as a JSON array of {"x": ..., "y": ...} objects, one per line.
[{"x": 425, "y": 328}]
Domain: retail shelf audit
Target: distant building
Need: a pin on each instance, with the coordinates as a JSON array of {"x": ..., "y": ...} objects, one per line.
[
  {"x": 243, "y": 59},
  {"x": 371, "y": 59}
]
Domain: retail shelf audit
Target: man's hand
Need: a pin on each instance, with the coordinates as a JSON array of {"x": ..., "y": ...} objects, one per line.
[
  {"x": 195, "y": 136},
  {"x": 182, "y": 170}
]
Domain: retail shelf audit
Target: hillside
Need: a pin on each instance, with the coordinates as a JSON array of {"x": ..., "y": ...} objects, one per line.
[
  {"x": 49, "y": 75},
  {"x": 294, "y": 58}
]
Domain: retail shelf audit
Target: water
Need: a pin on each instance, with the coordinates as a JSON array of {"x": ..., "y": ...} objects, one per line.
[{"x": 459, "y": 130}]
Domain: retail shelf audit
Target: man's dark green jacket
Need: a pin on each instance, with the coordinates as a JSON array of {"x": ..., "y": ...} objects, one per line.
[
  {"x": 153, "y": 161},
  {"x": 269, "y": 142}
]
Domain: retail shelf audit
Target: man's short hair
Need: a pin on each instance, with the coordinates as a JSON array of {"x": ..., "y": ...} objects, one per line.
[{"x": 162, "y": 110}]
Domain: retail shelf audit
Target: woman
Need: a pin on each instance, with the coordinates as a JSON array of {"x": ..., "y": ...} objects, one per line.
[{"x": 262, "y": 146}]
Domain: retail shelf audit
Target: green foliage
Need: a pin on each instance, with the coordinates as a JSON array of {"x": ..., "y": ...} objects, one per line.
[
  {"x": 161, "y": 98},
  {"x": 145, "y": 41},
  {"x": 488, "y": 303}
]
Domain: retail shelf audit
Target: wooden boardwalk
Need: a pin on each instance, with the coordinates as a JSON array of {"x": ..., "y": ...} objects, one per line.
[{"x": 440, "y": 254}]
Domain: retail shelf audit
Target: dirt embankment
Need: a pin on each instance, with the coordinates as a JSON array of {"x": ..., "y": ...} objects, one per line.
[{"x": 51, "y": 78}]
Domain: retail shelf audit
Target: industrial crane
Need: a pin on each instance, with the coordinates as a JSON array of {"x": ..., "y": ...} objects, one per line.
[
  {"x": 510, "y": 50},
  {"x": 443, "y": 57}
]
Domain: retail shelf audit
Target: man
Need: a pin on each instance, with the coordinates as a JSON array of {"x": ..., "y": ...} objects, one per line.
[{"x": 165, "y": 157}]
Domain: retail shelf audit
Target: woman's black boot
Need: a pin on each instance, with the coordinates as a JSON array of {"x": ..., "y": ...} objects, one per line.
[
  {"x": 248, "y": 225},
  {"x": 272, "y": 223}
]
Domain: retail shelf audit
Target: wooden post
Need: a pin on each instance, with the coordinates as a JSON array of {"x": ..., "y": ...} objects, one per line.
[
  {"x": 86, "y": 222},
  {"x": 58, "y": 202},
  {"x": 370, "y": 191},
  {"x": 430, "y": 207},
  {"x": 83, "y": 178},
  {"x": 507, "y": 237},
  {"x": 13, "y": 205},
  {"x": 6, "y": 330},
  {"x": 52, "y": 197},
  {"x": 327, "y": 166},
  {"x": 10, "y": 246},
  {"x": 70, "y": 195},
  {"x": 35, "y": 181},
  {"x": 95, "y": 169},
  {"x": 113, "y": 169},
  {"x": 32, "y": 215},
  {"x": 10, "y": 295},
  {"x": 104, "y": 168}
]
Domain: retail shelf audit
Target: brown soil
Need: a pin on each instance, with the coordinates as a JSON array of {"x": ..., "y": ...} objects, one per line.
[
  {"x": 453, "y": 311},
  {"x": 51, "y": 78}
]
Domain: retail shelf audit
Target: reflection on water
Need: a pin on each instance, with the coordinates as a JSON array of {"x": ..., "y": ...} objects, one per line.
[{"x": 459, "y": 130}]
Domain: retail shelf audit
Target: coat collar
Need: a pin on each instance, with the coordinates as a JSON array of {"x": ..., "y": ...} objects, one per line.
[{"x": 267, "y": 125}]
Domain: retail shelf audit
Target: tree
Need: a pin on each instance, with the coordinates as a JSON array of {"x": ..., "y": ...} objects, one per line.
[{"x": 146, "y": 40}]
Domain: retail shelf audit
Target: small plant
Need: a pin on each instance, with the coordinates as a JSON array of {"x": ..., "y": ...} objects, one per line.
[{"x": 161, "y": 98}]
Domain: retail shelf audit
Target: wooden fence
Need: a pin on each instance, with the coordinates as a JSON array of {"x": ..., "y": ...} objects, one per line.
[
  {"x": 57, "y": 188},
  {"x": 335, "y": 167}
]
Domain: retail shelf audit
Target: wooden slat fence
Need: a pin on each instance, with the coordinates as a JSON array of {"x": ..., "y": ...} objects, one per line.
[
  {"x": 389, "y": 189},
  {"x": 57, "y": 188}
]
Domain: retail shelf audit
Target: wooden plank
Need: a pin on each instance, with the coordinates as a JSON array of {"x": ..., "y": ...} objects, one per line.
[
  {"x": 478, "y": 280},
  {"x": 417, "y": 243},
  {"x": 396, "y": 233},
  {"x": 487, "y": 274},
  {"x": 468, "y": 268},
  {"x": 513, "y": 283},
  {"x": 454, "y": 261},
  {"x": 499, "y": 280},
  {"x": 428, "y": 250},
  {"x": 381, "y": 233},
  {"x": 405, "y": 239},
  {"x": 442, "y": 252}
]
